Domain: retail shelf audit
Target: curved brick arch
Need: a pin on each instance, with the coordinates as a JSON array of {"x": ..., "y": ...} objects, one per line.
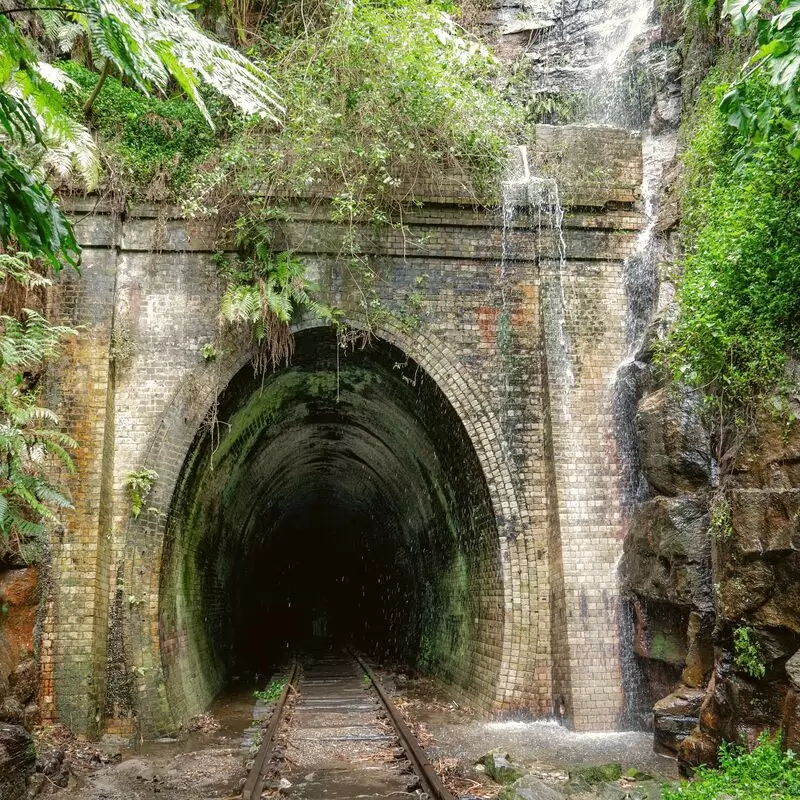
[{"x": 171, "y": 444}]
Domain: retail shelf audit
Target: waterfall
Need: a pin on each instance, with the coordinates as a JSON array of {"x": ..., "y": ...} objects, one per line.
[
  {"x": 540, "y": 196},
  {"x": 625, "y": 83},
  {"x": 627, "y": 94}
]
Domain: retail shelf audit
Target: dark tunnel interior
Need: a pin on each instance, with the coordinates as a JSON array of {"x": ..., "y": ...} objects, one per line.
[{"x": 337, "y": 500}]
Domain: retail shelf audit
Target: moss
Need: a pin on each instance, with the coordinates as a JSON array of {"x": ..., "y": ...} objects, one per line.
[
  {"x": 447, "y": 627},
  {"x": 500, "y": 768},
  {"x": 295, "y": 387},
  {"x": 156, "y": 144},
  {"x": 603, "y": 773}
]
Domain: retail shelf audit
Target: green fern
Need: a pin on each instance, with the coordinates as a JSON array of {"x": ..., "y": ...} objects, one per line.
[
  {"x": 51, "y": 141},
  {"x": 28, "y": 342},
  {"x": 159, "y": 41},
  {"x": 33, "y": 449},
  {"x": 263, "y": 293},
  {"x": 139, "y": 484}
]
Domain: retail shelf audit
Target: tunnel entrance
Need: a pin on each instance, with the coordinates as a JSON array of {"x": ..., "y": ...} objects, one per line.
[{"x": 339, "y": 499}]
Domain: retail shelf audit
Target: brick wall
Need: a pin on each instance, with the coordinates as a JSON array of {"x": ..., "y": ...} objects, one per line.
[{"x": 522, "y": 345}]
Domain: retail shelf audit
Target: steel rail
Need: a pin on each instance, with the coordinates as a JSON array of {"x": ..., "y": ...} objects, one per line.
[
  {"x": 255, "y": 780},
  {"x": 431, "y": 782}
]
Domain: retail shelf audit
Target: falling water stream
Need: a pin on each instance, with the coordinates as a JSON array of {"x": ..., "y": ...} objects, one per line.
[{"x": 621, "y": 79}]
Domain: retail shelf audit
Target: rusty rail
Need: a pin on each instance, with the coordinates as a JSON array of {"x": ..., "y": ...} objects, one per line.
[
  {"x": 255, "y": 780},
  {"x": 431, "y": 782}
]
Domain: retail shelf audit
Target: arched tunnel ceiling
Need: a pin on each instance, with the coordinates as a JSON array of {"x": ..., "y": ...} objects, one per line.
[{"x": 343, "y": 488}]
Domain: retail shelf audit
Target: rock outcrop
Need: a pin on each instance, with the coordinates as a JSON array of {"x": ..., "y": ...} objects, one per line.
[
  {"x": 19, "y": 606},
  {"x": 17, "y": 760},
  {"x": 712, "y": 573}
]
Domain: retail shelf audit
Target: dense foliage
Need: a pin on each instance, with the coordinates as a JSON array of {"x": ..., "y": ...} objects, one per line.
[
  {"x": 32, "y": 447},
  {"x": 151, "y": 146},
  {"x": 740, "y": 291},
  {"x": 262, "y": 292},
  {"x": 150, "y": 45},
  {"x": 33, "y": 125},
  {"x": 765, "y": 773},
  {"x": 386, "y": 101},
  {"x": 382, "y": 99},
  {"x": 754, "y": 113}
]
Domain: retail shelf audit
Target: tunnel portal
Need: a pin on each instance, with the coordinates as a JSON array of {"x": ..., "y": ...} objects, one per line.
[{"x": 338, "y": 498}]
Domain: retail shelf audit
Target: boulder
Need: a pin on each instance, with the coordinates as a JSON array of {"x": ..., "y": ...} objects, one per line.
[
  {"x": 758, "y": 565},
  {"x": 50, "y": 759},
  {"x": 20, "y": 587},
  {"x": 19, "y": 596},
  {"x": 699, "y": 747},
  {"x": 770, "y": 455},
  {"x": 530, "y": 788},
  {"x": 500, "y": 768},
  {"x": 11, "y": 710},
  {"x": 23, "y": 681},
  {"x": 603, "y": 773},
  {"x": 674, "y": 444},
  {"x": 765, "y": 522},
  {"x": 31, "y": 715},
  {"x": 649, "y": 790},
  {"x": 17, "y": 760},
  {"x": 744, "y": 587}
]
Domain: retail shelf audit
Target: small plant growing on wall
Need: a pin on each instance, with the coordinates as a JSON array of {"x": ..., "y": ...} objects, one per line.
[
  {"x": 123, "y": 348},
  {"x": 209, "y": 352},
  {"x": 747, "y": 653},
  {"x": 139, "y": 484},
  {"x": 721, "y": 524}
]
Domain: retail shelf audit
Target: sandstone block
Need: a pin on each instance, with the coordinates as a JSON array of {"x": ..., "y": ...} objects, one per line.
[
  {"x": 673, "y": 442},
  {"x": 675, "y": 717},
  {"x": 668, "y": 553},
  {"x": 765, "y": 521}
]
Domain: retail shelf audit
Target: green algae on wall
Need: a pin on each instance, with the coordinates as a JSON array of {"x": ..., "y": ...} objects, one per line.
[{"x": 420, "y": 536}]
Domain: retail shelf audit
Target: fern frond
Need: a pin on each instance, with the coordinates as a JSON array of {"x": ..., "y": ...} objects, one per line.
[
  {"x": 48, "y": 494},
  {"x": 29, "y": 342},
  {"x": 158, "y": 40},
  {"x": 20, "y": 267}
]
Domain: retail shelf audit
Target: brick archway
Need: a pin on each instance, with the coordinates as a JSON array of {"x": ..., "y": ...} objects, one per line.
[{"x": 172, "y": 444}]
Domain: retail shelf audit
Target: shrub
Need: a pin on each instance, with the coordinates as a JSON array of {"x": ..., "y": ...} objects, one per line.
[
  {"x": 765, "y": 773},
  {"x": 740, "y": 289}
]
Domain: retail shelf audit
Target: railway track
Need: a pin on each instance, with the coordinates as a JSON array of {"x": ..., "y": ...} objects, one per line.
[{"x": 338, "y": 744}]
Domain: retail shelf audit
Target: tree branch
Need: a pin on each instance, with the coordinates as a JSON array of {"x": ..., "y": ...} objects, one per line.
[
  {"x": 87, "y": 106},
  {"x": 22, "y": 9}
]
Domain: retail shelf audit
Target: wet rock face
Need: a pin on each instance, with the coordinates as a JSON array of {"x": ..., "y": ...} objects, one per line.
[
  {"x": 673, "y": 442},
  {"x": 693, "y": 588},
  {"x": 19, "y": 599},
  {"x": 675, "y": 717},
  {"x": 667, "y": 554}
]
